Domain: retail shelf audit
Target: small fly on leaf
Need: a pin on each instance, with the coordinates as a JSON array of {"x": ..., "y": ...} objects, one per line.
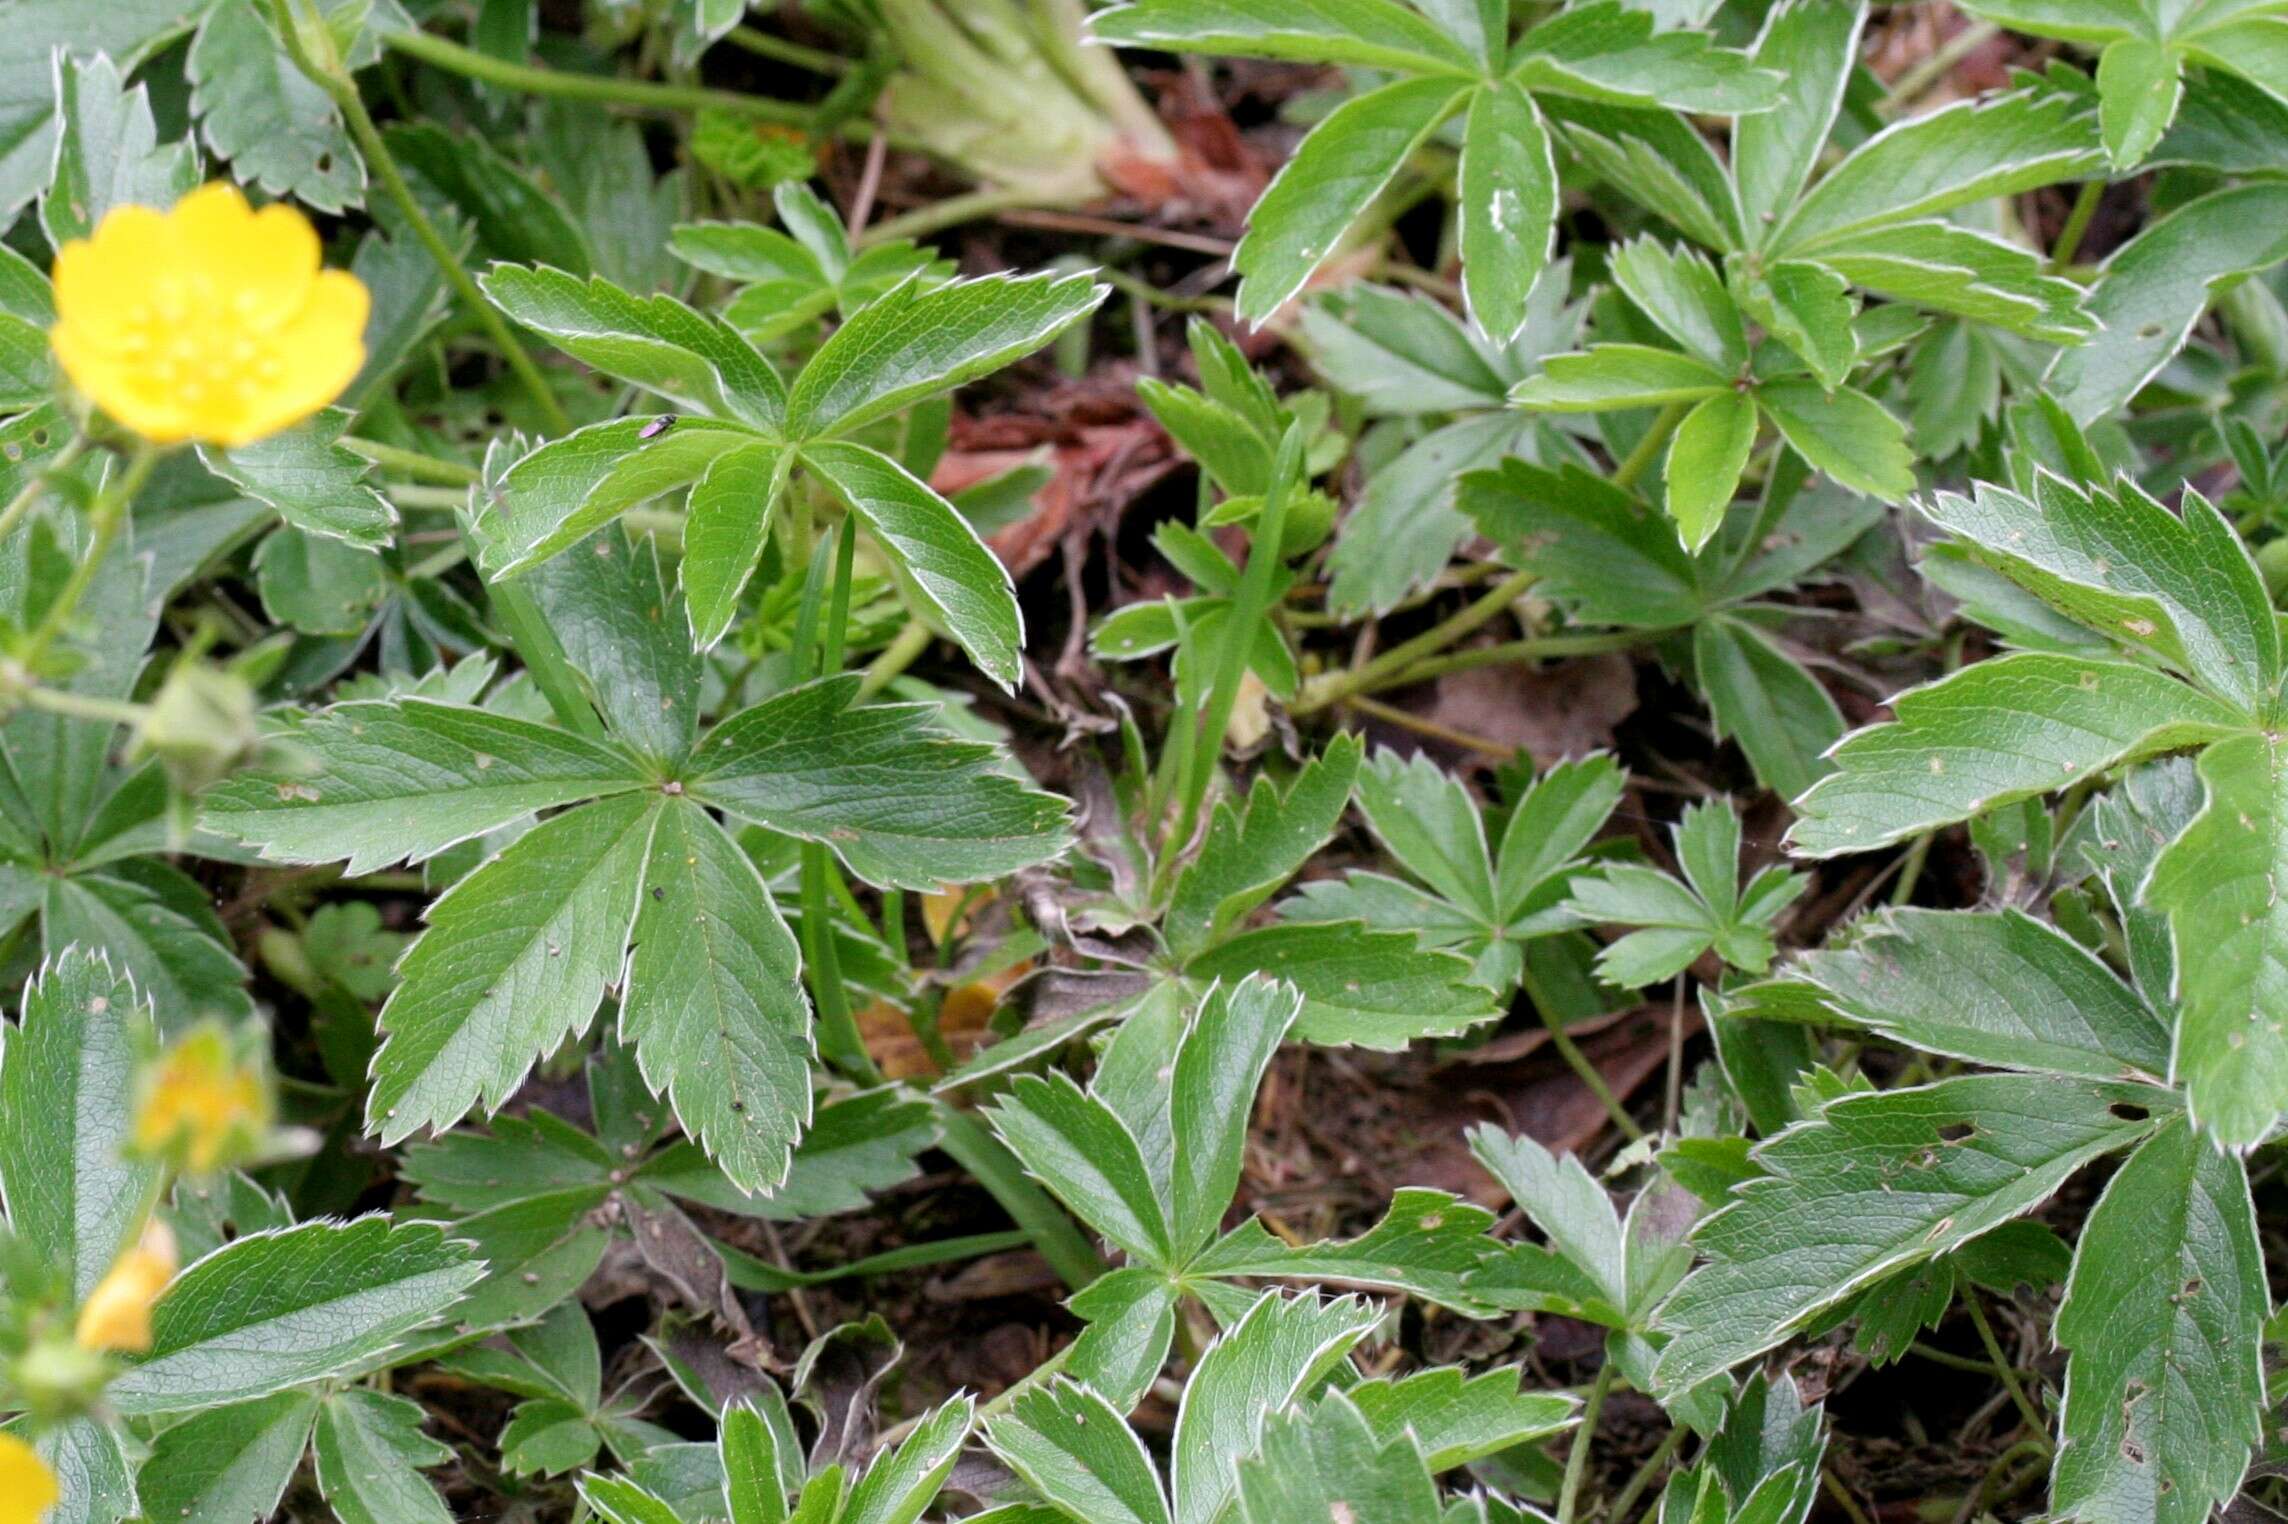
[{"x": 657, "y": 426}]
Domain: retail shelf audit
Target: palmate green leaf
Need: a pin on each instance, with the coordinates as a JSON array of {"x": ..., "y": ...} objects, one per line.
[
  {"x": 1705, "y": 461},
  {"x": 1508, "y": 194},
  {"x": 277, "y": 128},
  {"x": 515, "y": 958},
  {"x": 2164, "y": 1324},
  {"x": 917, "y": 341},
  {"x": 1429, "y": 1245},
  {"x": 1329, "y": 181},
  {"x": 1611, "y": 53},
  {"x": 695, "y": 360},
  {"x": 902, "y": 802},
  {"x": 67, "y": 1084},
  {"x": 568, "y": 488},
  {"x": 319, "y": 586},
  {"x": 1269, "y": 1358},
  {"x": 2139, "y": 83},
  {"x": 1844, "y": 434},
  {"x": 1997, "y": 145},
  {"x": 370, "y": 1453},
  {"x": 2230, "y": 932},
  {"x": 1682, "y": 293},
  {"x": 2011, "y": 728},
  {"x": 714, "y": 1005},
  {"x": 962, "y": 585},
  {"x": 275, "y": 1310},
  {"x": 1659, "y": 160},
  {"x": 228, "y": 1463},
  {"x": 314, "y": 483},
  {"x": 1595, "y": 548},
  {"x": 1456, "y": 1418},
  {"x": 1374, "y": 34},
  {"x": 727, "y": 519},
  {"x": 91, "y": 1472},
  {"x": 2154, "y": 288},
  {"x": 1808, "y": 307},
  {"x": 27, "y": 366},
  {"x": 2180, "y": 585},
  {"x": 1403, "y": 354},
  {"x": 620, "y": 623},
  {"x": 1945, "y": 267},
  {"x": 1877, "y": 1181},
  {"x": 858, "y": 1145},
  {"x": 1431, "y": 825},
  {"x": 1083, "y": 1152},
  {"x": 898, "y": 1485},
  {"x": 1994, "y": 988},
  {"x": 1781, "y": 715},
  {"x": 1607, "y": 377},
  {"x": 160, "y": 927},
  {"x": 1257, "y": 843},
  {"x": 1565, "y": 1202},
  {"x": 1131, "y": 1317},
  {"x": 1361, "y": 988},
  {"x": 1812, "y": 45},
  {"x": 378, "y": 782},
  {"x": 1072, "y": 1447},
  {"x": 1326, "y": 1463},
  {"x": 107, "y": 150},
  {"x": 1220, "y": 1060}
]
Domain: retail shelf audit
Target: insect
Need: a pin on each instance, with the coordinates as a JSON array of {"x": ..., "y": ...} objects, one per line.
[{"x": 657, "y": 426}]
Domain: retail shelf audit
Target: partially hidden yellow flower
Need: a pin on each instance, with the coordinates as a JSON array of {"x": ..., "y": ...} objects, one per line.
[
  {"x": 117, "y": 1314},
  {"x": 212, "y": 322},
  {"x": 27, "y": 1486},
  {"x": 201, "y": 1104}
]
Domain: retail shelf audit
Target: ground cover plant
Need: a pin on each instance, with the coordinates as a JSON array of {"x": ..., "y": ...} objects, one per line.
[{"x": 1173, "y": 762}]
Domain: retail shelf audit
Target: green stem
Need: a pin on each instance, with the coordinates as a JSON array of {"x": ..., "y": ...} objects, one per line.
[
  {"x": 2003, "y": 1368},
  {"x": 2077, "y": 223},
  {"x": 602, "y": 89},
  {"x": 1579, "y": 1063},
  {"x": 1534, "y": 648},
  {"x": 37, "y": 485},
  {"x": 1639, "y": 460},
  {"x": 543, "y": 656},
  {"x": 839, "y": 1040},
  {"x": 1055, "y": 1237},
  {"x": 105, "y": 516},
  {"x": 1577, "y": 1457},
  {"x": 82, "y": 706},
  {"x": 904, "y": 648},
  {"x": 1249, "y": 605},
  {"x": 1334, "y": 687},
  {"x": 1910, "y": 85},
  {"x": 423, "y": 468},
  {"x": 970, "y": 206},
  {"x": 1648, "y": 1473},
  {"x": 763, "y": 45},
  {"x": 331, "y": 76}
]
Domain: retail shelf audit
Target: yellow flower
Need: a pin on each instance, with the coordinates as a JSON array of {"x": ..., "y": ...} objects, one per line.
[
  {"x": 211, "y": 322},
  {"x": 27, "y": 1486},
  {"x": 117, "y": 1313},
  {"x": 201, "y": 1104}
]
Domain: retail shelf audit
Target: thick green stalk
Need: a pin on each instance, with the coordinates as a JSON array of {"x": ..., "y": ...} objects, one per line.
[
  {"x": 333, "y": 77},
  {"x": 106, "y": 516},
  {"x": 37, "y": 485},
  {"x": 976, "y": 1150},
  {"x": 1248, "y": 608},
  {"x": 601, "y": 89},
  {"x": 1577, "y": 1457}
]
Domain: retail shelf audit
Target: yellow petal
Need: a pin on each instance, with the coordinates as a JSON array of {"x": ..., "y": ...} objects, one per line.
[
  {"x": 123, "y": 388},
  {"x": 27, "y": 1486},
  {"x": 318, "y": 354},
  {"x": 103, "y": 282},
  {"x": 117, "y": 1313}
]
